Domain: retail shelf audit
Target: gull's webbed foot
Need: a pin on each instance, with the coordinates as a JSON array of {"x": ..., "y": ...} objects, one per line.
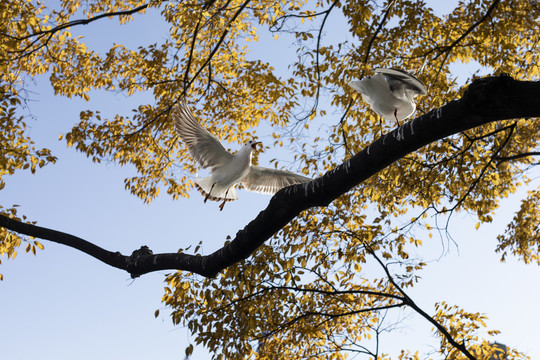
[{"x": 224, "y": 201}]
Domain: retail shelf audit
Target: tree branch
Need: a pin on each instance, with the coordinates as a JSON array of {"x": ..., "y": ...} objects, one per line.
[
  {"x": 331, "y": 316},
  {"x": 408, "y": 301},
  {"x": 220, "y": 41},
  {"x": 448, "y": 48},
  {"x": 501, "y": 159},
  {"x": 83, "y": 22},
  {"x": 377, "y": 31},
  {"x": 484, "y": 169},
  {"x": 317, "y": 63},
  {"x": 486, "y": 100},
  {"x": 50, "y": 32}
]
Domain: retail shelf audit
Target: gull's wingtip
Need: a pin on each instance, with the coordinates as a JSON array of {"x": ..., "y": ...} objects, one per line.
[
  {"x": 181, "y": 104},
  {"x": 356, "y": 85},
  {"x": 405, "y": 76}
]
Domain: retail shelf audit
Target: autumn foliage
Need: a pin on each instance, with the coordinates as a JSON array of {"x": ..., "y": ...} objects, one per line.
[{"x": 307, "y": 295}]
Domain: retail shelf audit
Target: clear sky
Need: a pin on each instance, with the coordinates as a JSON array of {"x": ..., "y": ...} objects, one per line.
[{"x": 63, "y": 304}]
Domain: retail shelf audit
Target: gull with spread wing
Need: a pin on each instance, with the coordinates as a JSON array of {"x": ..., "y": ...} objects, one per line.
[
  {"x": 227, "y": 169},
  {"x": 390, "y": 92}
]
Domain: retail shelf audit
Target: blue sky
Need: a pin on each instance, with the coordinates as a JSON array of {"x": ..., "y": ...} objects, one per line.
[{"x": 63, "y": 304}]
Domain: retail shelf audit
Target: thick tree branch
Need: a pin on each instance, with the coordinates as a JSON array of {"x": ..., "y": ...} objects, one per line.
[
  {"x": 108, "y": 257},
  {"x": 486, "y": 100}
]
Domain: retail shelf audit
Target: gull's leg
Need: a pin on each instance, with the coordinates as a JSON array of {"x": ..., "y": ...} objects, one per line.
[
  {"x": 208, "y": 195},
  {"x": 380, "y": 126},
  {"x": 395, "y": 115},
  {"x": 224, "y": 201}
]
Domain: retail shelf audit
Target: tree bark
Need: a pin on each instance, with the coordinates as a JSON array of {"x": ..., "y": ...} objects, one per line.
[{"x": 486, "y": 100}]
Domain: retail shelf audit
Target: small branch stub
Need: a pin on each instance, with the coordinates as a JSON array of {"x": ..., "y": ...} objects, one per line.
[{"x": 133, "y": 260}]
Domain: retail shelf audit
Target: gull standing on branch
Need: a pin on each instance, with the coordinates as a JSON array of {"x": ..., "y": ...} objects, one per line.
[
  {"x": 227, "y": 169},
  {"x": 390, "y": 92}
]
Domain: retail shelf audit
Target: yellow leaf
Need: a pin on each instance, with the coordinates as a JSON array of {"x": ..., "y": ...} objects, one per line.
[{"x": 189, "y": 350}]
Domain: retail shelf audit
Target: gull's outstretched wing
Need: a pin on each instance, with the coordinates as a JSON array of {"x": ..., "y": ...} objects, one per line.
[
  {"x": 399, "y": 78},
  {"x": 202, "y": 145},
  {"x": 270, "y": 181}
]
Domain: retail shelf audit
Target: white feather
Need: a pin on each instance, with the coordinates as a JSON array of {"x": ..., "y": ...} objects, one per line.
[
  {"x": 227, "y": 169},
  {"x": 390, "y": 92}
]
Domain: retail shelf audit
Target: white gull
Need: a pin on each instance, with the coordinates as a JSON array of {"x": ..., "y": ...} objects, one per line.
[
  {"x": 390, "y": 92},
  {"x": 227, "y": 169}
]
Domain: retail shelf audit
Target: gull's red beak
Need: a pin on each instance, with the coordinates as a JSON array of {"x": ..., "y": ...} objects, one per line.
[{"x": 254, "y": 145}]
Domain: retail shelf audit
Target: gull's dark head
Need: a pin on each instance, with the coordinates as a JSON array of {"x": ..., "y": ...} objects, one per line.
[{"x": 253, "y": 144}]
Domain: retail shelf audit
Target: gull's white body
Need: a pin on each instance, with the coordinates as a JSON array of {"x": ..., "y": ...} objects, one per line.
[
  {"x": 227, "y": 169},
  {"x": 225, "y": 176},
  {"x": 390, "y": 93}
]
